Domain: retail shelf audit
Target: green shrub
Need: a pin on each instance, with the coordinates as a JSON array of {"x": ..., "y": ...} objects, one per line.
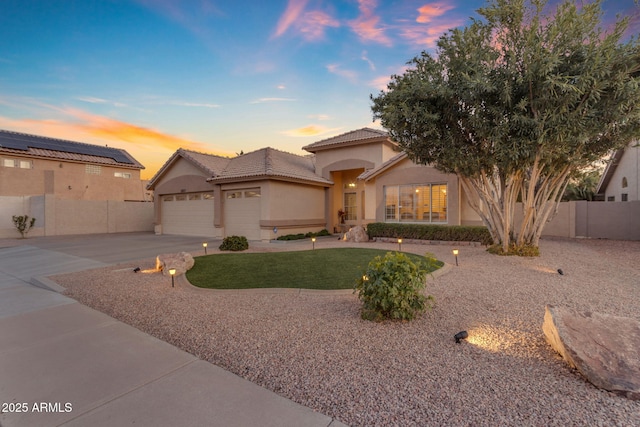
[
  {"x": 391, "y": 287},
  {"x": 452, "y": 233},
  {"x": 23, "y": 224},
  {"x": 523, "y": 250},
  {"x": 234, "y": 243},
  {"x": 301, "y": 236}
]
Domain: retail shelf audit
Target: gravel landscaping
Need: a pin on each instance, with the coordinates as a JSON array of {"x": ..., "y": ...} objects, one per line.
[{"x": 314, "y": 349}]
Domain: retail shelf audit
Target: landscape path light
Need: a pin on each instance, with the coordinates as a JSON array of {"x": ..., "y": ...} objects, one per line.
[
  {"x": 313, "y": 243},
  {"x": 399, "y": 245},
  {"x": 455, "y": 253},
  {"x": 461, "y": 336},
  {"x": 172, "y": 272},
  {"x": 204, "y": 245}
]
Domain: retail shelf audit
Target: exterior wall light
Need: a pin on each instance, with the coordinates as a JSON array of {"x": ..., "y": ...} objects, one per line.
[
  {"x": 455, "y": 253},
  {"x": 313, "y": 243},
  {"x": 400, "y": 245},
  {"x": 461, "y": 336},
  {"x": 172, "y": 273},
  {"x": 204, "y": 245}
]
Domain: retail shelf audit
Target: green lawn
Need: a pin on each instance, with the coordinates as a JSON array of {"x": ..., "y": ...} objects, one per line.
[{"x": 316, "y": 269}]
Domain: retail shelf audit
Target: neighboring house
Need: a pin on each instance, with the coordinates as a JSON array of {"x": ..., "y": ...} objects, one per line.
[
  {"x": 620, "y": 181},
  {"x": 268, "y": 193},
  {"x": 33, "y": 165}
]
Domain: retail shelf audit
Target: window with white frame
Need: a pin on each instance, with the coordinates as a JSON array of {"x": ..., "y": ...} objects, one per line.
[
  {"x": 416, "y": 203},
  {"x": 15, "y": 163},
  {"x": 350, "y": 207},
  {"x": 125, "y": 175}
]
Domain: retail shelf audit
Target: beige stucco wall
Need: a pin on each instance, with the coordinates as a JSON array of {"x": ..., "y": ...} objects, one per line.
[
  {"x": 55, "y": 217},
  {"x": 629, "y": 168},
  {"x": 182, "y": 177},
  {"x": 365, "y": 156},
  {"x": 69, "y": 180}
]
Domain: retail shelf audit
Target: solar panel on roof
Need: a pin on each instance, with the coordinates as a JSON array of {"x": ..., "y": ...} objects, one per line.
[{"x": 18, "y": 141}]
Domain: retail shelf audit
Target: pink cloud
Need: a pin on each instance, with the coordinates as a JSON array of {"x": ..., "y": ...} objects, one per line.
[
  {"x": 311, "y": 25},
  {"x": 432, "y": 10},
  {"x": 367, "y": 25},
  {"x": 290, "y": 16}
]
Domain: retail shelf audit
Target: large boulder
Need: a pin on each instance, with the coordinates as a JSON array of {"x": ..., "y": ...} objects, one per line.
[
  {"x": 603, "y": 348},
  {"x": 356, "y": 234},
  {"x": 182, "y": 262}
]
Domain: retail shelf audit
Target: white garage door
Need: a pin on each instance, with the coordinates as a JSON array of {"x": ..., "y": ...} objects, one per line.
[
  {"x": 242, "y": 213},
  {"x": 188, "y": 214}
]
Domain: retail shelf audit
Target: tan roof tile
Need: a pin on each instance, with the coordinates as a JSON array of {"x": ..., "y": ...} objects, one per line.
[{"x": 363, "y": 135}]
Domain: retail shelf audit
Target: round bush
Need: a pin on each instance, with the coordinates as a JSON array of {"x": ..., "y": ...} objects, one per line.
[
  {"x": 391, "y": 287},
  {"x": 234, "y": 243}
]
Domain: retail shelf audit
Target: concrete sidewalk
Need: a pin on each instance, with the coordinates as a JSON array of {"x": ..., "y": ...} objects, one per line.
[{"x": 62, "y": 363}]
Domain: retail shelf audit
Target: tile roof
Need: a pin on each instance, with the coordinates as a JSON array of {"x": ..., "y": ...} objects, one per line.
[
  {"x": 22, "y": 144},
  {"x": 270, "y": 163},
  {"x": 210, "y": 164},
  {"x": 372, "y": 173},
  {"x": 359, "y": 136}
]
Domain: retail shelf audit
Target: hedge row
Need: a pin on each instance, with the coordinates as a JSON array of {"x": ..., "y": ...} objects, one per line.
[
  {"x": 452, "y": 233},
  {"x": 304, "y": 236}
]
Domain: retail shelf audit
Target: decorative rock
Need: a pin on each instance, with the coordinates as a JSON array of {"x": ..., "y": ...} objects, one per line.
[
  {"x": 182, "y": 262},
  {"x": 603, "y": 348},
  {"x": 356, "y": 234}
]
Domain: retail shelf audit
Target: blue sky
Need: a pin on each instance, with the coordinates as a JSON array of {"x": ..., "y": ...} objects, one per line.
[{"x": 151, "y": 76}]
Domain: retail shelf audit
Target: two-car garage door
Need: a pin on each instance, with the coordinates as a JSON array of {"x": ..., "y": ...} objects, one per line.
[{"x": 188, "y": 214}]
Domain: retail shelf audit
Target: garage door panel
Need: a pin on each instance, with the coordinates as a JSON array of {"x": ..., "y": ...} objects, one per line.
[
  {"x": 242, "y": 214},
  {"x": 187, "y": 216}
]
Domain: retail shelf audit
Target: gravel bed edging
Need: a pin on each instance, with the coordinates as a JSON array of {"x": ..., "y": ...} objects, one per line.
[{"x": 316, "y": 350}]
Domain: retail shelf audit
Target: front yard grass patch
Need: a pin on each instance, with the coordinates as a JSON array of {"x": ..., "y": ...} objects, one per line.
[{"x": 336, "y": 268}]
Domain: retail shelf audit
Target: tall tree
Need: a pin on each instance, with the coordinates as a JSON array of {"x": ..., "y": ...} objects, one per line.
[{"x": 514, "y": 103}]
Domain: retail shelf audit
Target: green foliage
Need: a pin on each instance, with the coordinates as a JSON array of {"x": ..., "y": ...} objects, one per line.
[
  {"x": 453, "y": 233},
  {"x": 514, "y": 103},
  {"x": 23, "y": 224},
  {"x": 391, "y": 287},
  {"x": 301, "y": 236},
  {"x": 582, "y": 185},
  {"x": 522, "y": 250},
  {"x": 234, "y": 243}
]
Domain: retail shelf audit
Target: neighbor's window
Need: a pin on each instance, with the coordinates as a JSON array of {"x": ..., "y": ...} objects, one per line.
[
  {"x": 125, "y": 175},
  {"x": 625, "y": 183},
  {"x": 8, "y": 163},
  {"x": 611, "y": 198},
  {"x": 416, "y": 203},
  {"x": 25, "y": 164},
  {"x": 624, "y": 197},
  {"x": 93, "y": 169},
  {"x": 350, "y": 207}
]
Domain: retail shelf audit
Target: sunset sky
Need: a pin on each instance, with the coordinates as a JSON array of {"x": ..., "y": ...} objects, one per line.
[{"x": 151, "y": 76}]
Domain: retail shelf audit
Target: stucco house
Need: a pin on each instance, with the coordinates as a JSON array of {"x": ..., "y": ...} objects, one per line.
[
  {"x": 36, "y": 165},
  {"x": 620, "y": 181},
  {"x": 352, "y": 179}
]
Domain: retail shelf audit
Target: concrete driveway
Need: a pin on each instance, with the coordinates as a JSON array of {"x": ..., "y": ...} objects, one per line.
[{"x": 64, "y": 364}]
